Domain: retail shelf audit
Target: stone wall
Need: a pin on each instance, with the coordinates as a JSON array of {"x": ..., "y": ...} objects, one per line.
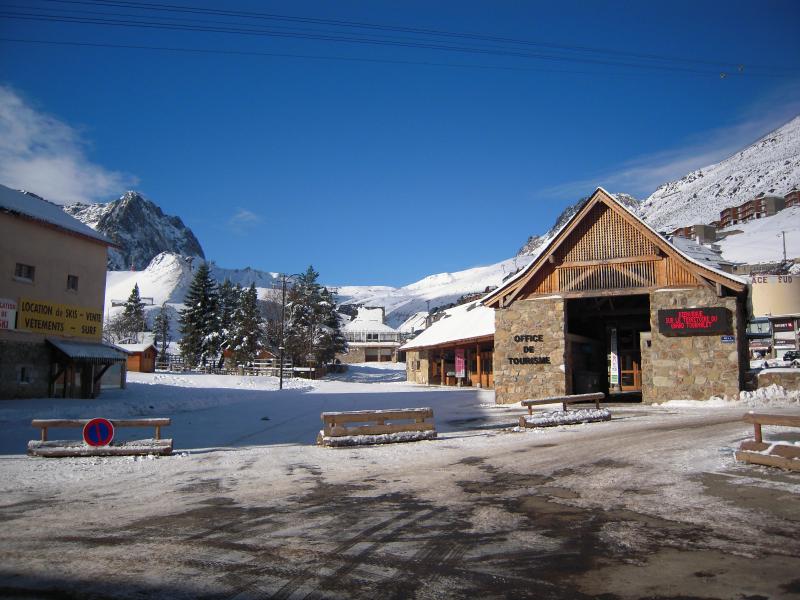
[
  {"x": 786, "y": 378},
  {"x": 532, "y": 367},
  {"x": 354, "y": 354},
  {"x": 693, "y": 367},
  {"x": 34, "y": 358},
  {"x": 417, "y": 366}
]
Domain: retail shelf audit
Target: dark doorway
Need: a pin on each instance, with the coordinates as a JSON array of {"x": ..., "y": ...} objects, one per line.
[{"x": 603, "y": 346}]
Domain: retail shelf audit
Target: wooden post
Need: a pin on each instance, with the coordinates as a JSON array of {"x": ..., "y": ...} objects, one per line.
[
  {"x": 158, "y": 432},
  {"x": 443, "y": 377},
  {"x": 478, "y": 359},
  {"x": 44, "y": 434},
  {"x": 757, "y": 432}
]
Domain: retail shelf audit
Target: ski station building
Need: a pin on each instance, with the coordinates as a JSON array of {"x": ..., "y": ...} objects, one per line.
[
  {"x": 609, "y": 305},
  {"x": 369, "y": 338},
  {"x": 52, "y": 287}
]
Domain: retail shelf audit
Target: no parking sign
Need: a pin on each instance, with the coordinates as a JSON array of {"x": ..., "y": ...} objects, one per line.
[{"x": 98, "y": 432}]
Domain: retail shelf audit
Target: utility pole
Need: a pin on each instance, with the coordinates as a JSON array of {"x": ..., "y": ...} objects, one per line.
[
  {"x": 283, "y": 325},
  {"x": 783, "y": 234}
]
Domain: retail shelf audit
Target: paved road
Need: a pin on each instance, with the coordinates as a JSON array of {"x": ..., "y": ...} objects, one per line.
[{"x": 648, "y": 506}]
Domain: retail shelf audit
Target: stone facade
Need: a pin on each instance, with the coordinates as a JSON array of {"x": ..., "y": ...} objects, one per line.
[
  {"x": 785, "y": 378},
  {"x": 693, "y": 367},
  {"x": 358, "y": 354},
  {"x": 532, "y": 367},
  {"x": 24, "y": 369},
  {"x": 418, "y": 366}
]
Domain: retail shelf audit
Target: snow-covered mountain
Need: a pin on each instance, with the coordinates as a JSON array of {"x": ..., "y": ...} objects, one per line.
[
  {"x": 770, "y": 166},
  {"x": 434, "y": 291},
  {"x": 140, "y": 229}
]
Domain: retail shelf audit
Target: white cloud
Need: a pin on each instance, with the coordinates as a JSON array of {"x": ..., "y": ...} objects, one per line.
[
  {"x": 641, "y": 176},
  {"x": 243, "y": 221},
  {"x": 44, "y": 155}
]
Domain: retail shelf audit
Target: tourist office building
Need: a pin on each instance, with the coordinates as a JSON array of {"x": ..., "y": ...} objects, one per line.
[
  {"x": 52, "y": 287},
  {"x": 608, "y": 306},
  {"x": 611, "y": 306}
]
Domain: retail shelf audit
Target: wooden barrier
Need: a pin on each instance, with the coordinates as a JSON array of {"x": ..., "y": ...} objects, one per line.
[
  {"x": 61, "y": 448},
  {"x": 783, "y": 455},
  {"x": 565, "y": 400},
  {"x": 376, "y": 427}
]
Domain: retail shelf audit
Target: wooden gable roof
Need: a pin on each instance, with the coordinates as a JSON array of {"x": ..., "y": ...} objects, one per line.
[{"x": 606, "y": 249}]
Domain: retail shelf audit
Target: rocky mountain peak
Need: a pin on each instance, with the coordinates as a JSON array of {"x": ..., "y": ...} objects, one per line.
[{"x": 139, "y": 228}]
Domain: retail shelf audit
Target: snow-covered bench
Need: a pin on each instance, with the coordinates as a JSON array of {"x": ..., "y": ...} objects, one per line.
[
  {"x": 565, "y": 416},
  {"x": 376, "y": 427},
  {"x": 777, "y": 454},
  {"x": 62, "y": 448}
]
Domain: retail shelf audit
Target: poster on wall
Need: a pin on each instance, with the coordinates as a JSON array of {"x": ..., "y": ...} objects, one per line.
[
  {"x": 460, "y": 363},
  {"x": 8, "y": 313},
  {"x": 613, "y": 375}
]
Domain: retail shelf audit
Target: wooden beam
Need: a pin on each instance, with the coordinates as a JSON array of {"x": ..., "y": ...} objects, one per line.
[{"x": 612, "y": 261}]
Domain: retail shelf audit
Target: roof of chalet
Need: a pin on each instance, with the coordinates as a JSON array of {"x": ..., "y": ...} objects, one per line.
[
  {"x": 135, "y": 348},
  {"x": 700, "y": 252},
  {"x": 369, "y": 319},
  {"x": 462, "y": 323},
  {"x": 601, "y": 195},
  {"x": 35, "y": 208}
]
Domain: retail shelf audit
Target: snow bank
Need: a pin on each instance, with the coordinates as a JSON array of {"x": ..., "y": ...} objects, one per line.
[
  {"x": 569, "y": 417},
  {"x": 773, "y": 396},
  {"x": 369, "y": 440}
]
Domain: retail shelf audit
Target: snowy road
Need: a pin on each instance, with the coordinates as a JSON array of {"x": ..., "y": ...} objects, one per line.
[{"x": 650, "y": 504}]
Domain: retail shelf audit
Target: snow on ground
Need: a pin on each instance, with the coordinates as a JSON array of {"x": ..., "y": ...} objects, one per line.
[
  {"x": 655, "y": 488},
  {"x": 761, "y": 240},
  {"x": 773, "y": 396}
]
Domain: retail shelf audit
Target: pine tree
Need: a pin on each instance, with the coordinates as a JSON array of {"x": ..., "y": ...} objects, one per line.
[
  {"x": 248, "y": 334},
  {"x": 132, "y": 319},
  {"x": 229, "y": 298},
  {"x": 199, "y": 321},
  {"x": 312, "y": 330},
  {"x": 161, "y": 327}
]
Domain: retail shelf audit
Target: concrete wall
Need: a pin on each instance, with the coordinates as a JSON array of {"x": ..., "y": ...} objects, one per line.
[
  {"x": 787, "y": 378},
  {"x": 540, "y": 368},
  {"x": 693, "y": 367},
  {"x": 54, "y": 254}
]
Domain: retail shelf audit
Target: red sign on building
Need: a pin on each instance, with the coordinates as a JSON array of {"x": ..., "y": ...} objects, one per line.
[{"x": 694, "y": 321}]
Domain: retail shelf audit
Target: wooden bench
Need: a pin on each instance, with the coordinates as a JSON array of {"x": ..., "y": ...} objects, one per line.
[
  {"x": 376, "y": 427},
  {"x": 62, "y": 448},
  {"x": 783, "y": 455},
  {"x": 565, "y": 401}
]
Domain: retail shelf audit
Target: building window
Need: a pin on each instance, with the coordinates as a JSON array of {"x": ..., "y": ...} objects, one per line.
[
  {"x": 372, "y": 337},
  {"x": 72, "y": 282},
  {"x": 24, "y": 375},
  {"x": 24, "y": 272}
]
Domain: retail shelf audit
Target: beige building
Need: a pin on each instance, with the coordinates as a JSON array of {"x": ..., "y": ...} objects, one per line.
[
  {"x": 612, "y": 306},
  {"x": 369, "y": 338},
  {"x": 775, "y": 308},
  {"x": 52, "y": 287}
]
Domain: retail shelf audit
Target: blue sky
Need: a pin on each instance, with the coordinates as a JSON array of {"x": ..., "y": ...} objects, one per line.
[{"x": 384, "y": 163}]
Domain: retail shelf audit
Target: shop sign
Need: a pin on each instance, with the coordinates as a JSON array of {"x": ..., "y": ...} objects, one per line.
[
  {"x": 460, "y": 363},
  {"x": 527, "y": 346},
  {"x": 51, "y": 318},
  {"x": 8, "y": 313},
  {"x": 782, "y": 326},
  {"x": 784, "y": 344},
  {"x": 694, "y": 321}
]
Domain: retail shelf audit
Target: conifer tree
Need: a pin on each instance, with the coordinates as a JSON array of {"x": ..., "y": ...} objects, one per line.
[
  {"x": 312, "y": 330},
  {"x": 161, "y": 328},
  {"x": 248, "y": 335},
  {"x": 132, "y": 319},
  {"x": 199, "y": 321},
  {"x": 229, "y": 298}
]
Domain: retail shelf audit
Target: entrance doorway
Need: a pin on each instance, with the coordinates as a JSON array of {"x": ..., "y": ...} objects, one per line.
[{"x": 603, "y": 343}]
